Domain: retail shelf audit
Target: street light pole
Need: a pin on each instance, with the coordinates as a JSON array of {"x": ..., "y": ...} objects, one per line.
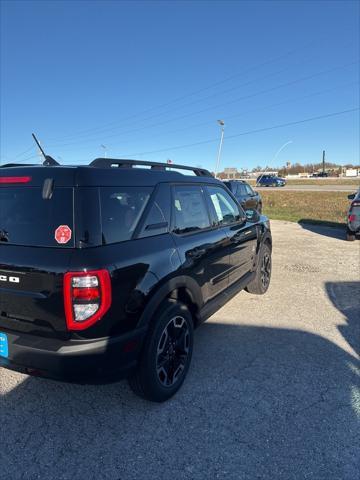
[{"x": 222, "y": 124}]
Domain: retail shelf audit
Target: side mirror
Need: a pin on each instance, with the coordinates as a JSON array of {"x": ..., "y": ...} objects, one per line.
[
  {"x": 351, "y": 197},
  {"x": 252, "y": 215}
]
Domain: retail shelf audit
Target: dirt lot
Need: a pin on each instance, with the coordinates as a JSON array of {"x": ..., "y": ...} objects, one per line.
[{"x": 273, "y": 392}]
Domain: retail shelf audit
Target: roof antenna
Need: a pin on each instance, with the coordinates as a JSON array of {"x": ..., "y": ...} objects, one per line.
[{"x": 49, "y": 161}]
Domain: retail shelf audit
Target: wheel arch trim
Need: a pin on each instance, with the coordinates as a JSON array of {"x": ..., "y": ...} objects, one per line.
[{"x": 171, "y": 285}]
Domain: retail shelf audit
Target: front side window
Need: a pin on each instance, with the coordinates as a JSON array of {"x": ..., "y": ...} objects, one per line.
[
  {"x": 226, "y": 210},
  {"x": 121, "y": 210},
  {"x": 190, "y": 212},
  {"x": 241, "y": 191}
]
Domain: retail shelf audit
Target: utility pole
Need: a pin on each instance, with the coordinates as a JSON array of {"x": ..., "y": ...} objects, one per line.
[
  {"x": 222, "y": 125},
  {"x": 323, "y": 162}
]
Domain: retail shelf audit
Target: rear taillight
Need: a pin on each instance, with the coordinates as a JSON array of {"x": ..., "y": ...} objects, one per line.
[
  {"x": 7, "y": 180},
  {"x": 87, "y": 297},
  {"x": 352, "y": 218}
]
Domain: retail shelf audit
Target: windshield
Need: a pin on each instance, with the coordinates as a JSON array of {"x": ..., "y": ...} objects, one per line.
[{"x": 27, "y": 219}]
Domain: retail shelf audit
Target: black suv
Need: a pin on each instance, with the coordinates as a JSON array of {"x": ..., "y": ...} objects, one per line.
[
  {"x": 245, "y": 195},
  {"x": 107, "y": 268}
]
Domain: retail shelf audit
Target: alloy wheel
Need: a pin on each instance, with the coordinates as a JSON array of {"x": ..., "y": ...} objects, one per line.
[
  {"x": 265, "y": 270},
  {"x": 172, "y": 351}
]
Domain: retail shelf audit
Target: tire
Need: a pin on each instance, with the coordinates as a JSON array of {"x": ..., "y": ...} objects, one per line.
[
  {"x": 261, "y": 282},
  {"x": 350, "y": 236},
  {"x": 166, "y": 356}
]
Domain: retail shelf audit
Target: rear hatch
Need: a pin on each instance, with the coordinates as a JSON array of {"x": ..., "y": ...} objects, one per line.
[{"x": 36, "y": 243}]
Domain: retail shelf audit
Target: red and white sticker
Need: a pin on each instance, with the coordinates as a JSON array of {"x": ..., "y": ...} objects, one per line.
[{"x": 63, "y": 234}]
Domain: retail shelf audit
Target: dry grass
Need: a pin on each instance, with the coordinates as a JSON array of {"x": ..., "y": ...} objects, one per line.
[{"x": 329, "y": 207}]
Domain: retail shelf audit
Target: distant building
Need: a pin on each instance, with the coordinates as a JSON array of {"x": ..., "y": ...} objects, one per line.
[
  {"x": 351, "y": 172},
  {"x": 230, "y": 173}
]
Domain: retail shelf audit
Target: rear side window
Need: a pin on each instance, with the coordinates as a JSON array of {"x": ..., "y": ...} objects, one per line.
[
  {"x": 27, "y": 219},
  {"x": 190, "y": 211},
  {"x": 121, "y": 210}
]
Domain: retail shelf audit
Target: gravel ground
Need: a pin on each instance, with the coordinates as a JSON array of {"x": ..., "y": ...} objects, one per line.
[{"x": 273, "y": 392}]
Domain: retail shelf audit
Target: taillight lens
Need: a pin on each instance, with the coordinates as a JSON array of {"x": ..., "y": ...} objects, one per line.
[
  {"x": 87, "y": 297},
  {"x": 352, "y": 218}
]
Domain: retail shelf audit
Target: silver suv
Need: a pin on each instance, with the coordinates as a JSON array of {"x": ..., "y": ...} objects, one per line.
[{"x": 353, "y": 217}]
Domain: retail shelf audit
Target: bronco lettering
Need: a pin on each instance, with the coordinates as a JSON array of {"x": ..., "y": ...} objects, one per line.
[{"x": 4, "y": 278}]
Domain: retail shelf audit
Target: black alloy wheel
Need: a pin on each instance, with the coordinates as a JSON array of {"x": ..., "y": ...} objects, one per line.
[
  {"x": 166, "y": 355},
  {"x": 265, "y": 270},
  {"x": 260, "y": 284},
  {"x": 173, "y": 351}
]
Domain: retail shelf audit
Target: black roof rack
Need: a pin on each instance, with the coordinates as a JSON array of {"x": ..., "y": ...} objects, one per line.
[{"x": 116, "y": 163}]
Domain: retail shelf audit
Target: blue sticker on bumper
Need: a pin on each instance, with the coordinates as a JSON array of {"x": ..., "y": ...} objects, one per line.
[{"x": 4, "y": 346}]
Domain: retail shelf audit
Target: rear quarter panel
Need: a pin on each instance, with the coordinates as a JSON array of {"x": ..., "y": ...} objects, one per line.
[{"x": 136, "y": 268}]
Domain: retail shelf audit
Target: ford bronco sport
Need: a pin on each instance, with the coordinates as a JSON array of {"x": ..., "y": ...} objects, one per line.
[{"x": 108, "y": 268}]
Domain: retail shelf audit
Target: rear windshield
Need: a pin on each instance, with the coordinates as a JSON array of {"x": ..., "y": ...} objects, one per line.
[
  {"x": 355, "y": 209},
  {"x": 27, "y": 219}
]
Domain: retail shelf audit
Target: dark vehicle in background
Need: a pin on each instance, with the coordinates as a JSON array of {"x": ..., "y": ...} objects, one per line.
[
  {"x": 107, "y": 269},
  {"x": 353, "y": 217},
  {"x": 270, "y": 181},
  {"x": 245, "y": 195},
  {"x": 320, "y": 175}
]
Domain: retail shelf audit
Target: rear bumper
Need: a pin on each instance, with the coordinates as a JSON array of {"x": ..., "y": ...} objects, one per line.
[{"x": 73, "y": 360}]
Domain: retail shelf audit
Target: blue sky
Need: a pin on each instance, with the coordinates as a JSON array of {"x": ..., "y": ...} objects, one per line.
[{"x": 142, "y": 78}]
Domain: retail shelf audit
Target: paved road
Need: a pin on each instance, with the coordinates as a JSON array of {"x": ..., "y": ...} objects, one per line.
[
  {"x": 273, "y": 392},
  {"x": 314, "y": 188}
]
